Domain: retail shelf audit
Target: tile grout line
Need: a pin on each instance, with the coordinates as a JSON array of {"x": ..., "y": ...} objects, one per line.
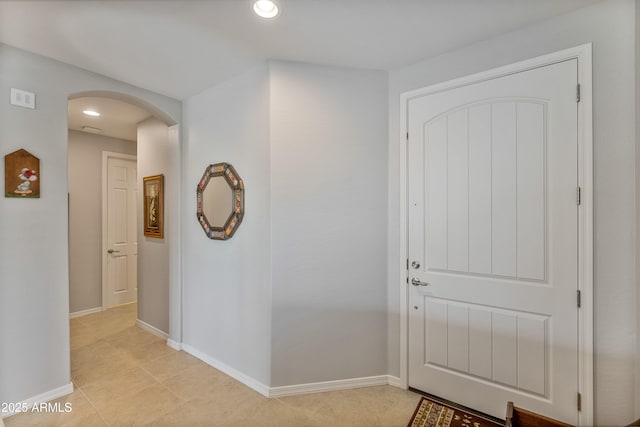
[
  {"x": 108, "y": 341},
  {"x": 93, "y": 406},
  {"x": 181, "y": 401},
  {"x": 146, "y": 358},
  {"x": 163, "y": 384}
]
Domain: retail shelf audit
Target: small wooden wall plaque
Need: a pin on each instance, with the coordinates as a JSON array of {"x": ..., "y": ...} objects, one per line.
[{"x": 21, "y": 175}]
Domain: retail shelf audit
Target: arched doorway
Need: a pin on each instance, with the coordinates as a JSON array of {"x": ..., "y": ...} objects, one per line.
[{"x": 157, "y": 259}]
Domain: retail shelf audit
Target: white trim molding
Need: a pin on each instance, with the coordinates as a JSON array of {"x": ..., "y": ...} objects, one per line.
[
  {"x": 174, "y": 344},
  {"x": 585, "y": 212},
  {"x": 152, "y": 329},
  {"x": 395, "y": 382},
  {"x": 585, "y": 237},
  {"x": 291, "y": 390},
  {"x": 85, "y": 312},
  {"x": 232, "y": 372},
  {"x": 41, "y": 398}
]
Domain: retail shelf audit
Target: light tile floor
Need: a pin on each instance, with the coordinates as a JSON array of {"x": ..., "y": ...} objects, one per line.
[{"x": 124, "y": 376}]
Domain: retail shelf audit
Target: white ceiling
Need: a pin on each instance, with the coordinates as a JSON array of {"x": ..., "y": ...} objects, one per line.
[
  {"x": 117, "y": 119},
  {"x": 181, "y": 47}
]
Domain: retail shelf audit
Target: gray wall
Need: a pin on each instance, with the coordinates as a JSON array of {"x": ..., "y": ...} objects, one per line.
[
  {"x": 227, "y": 284},
  {"x": 298, "y": 295},
  {"x": 34, "y": 262},
  {"x": 637, "y": 110},
  {"x": 85, "y": 215},
  {"x": 328, "y": 204},
  {"x": 154, "y": 158},
  {"x": 610, "y": 26}
]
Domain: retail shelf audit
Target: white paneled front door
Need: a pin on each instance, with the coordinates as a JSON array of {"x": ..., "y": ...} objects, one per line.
[
  {"x": 493, "y": 238},
  {"x": 122, "y": 241}
]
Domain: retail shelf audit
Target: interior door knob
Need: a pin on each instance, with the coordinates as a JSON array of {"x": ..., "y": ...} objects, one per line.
[
  {"x": 416, "y": 282},
  {"x": 111, "y": 251}
]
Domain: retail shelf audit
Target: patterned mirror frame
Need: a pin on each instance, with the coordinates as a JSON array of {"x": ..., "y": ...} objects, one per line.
[{"x": 236, "y": 212}]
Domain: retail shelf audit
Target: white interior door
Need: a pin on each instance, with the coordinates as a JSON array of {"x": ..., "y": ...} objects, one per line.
[
  {"x": 493, "y": 231},
  {"x": 122, "y": 246}
]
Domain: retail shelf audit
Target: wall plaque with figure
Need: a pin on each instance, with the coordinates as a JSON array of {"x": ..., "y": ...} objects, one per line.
[
  {"x": 153, "y": 189},
  {"x": 21, "y": 175}
]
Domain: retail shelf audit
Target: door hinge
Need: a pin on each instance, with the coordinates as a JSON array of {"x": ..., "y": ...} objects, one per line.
[
  {"x": 578, "y": 93},
  {"x": 579, "y": 296},
  {"x": 578, "y": 196},
  {"x": 579, "y": 402}
]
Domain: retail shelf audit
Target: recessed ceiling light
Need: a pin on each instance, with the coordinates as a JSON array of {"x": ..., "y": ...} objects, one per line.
[
  {"x": 91, "y": 113},
  {"x": 266, "y": 8}
]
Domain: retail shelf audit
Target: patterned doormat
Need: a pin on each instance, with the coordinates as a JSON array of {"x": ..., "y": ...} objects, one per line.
[{"x": 434, "y": 414}]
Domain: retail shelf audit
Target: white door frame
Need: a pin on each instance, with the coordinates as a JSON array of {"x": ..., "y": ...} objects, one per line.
[
  {"x": 585, "y": 213},
  {"x": 106, "y": 155}
]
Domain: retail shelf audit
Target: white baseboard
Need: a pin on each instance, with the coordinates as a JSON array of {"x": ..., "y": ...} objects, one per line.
[
  {"x": 291, "y": 390},
  {"x": 44, "y": 397},
  {"x": 395, "y": 382},
  {"x": 174, "y": 344},
  {"x": 152, "y": 329},
  {"x": 85, "y": 312},
  {"x": 244, "y": 379}
]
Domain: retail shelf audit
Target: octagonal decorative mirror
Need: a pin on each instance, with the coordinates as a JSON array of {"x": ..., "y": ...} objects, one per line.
[{"x": 220, "y": 195}]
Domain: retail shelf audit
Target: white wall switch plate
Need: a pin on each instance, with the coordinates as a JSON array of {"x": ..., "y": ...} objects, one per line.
[{"x": 22, "y": 98}]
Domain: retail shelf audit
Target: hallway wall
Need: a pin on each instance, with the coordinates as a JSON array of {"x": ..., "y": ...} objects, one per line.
[
  {"x": 328, "y": 208},
  {"x": 155, "y": 152},
  {"x": 227, "y": 284},
  {"x": 85, "y": 215},
  {"x": 34, "y": 261},
  {"x": 298, "y": 295}
]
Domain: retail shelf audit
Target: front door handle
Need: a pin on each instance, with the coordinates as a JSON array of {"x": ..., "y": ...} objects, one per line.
[
  {"x": 416, "y": 282},
  {"x": 111, "y": 251}
]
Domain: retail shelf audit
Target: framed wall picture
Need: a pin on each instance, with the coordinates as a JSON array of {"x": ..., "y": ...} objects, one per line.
[
  {"x": 153, "y": 196},
  {"x": 21, "y": 175}
]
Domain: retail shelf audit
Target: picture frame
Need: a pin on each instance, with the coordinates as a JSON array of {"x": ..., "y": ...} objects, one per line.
[
  {"x": 153, "y": 199},
  {"x": 22, "y": 175}
]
